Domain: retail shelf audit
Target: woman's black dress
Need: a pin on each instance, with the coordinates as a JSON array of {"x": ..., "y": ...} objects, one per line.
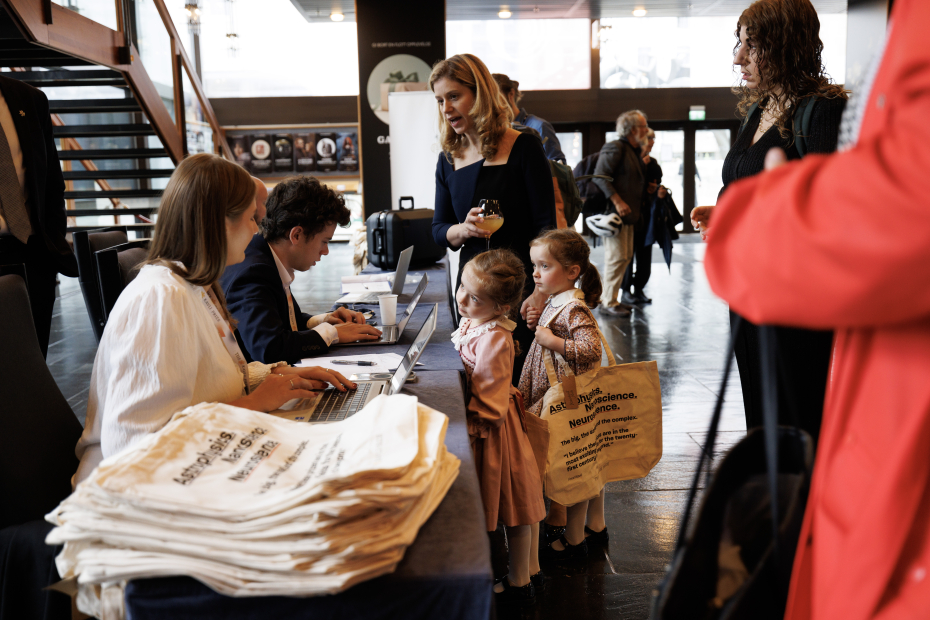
[
  {"x": 802, "y": 356},
  {"x": 524, "y": 188}
]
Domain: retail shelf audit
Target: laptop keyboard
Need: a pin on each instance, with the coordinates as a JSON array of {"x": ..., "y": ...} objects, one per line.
[{"x": 335, "y": 405}]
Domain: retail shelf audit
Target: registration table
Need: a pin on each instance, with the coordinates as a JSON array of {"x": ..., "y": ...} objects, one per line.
[{"x": 446, "y": 573}]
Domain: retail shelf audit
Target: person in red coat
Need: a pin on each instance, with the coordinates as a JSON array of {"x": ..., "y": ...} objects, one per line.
[{"x": 842, "y": 242}]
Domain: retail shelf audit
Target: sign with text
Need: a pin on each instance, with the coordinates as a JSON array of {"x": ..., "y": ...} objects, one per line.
[{"x": 396, "y": 51}]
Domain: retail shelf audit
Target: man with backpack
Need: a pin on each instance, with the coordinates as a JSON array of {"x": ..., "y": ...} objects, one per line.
[{"x": 622, "y": 160}]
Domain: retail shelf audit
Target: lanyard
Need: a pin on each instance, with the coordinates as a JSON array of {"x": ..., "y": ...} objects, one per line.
[
  {"x": 290, "y": 309},
  {"x": 222, "y": 326}
]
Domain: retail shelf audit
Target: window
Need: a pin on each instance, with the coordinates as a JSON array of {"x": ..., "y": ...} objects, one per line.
[
  {"x": 280, "y": 54},
  {"x": 682, "y": 52},
  {"x": 541, "y": 54},
  {"x": 570, "y": 142}
]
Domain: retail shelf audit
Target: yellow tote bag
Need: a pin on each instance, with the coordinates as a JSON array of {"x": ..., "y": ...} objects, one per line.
[{"x": 604, "y": 425}]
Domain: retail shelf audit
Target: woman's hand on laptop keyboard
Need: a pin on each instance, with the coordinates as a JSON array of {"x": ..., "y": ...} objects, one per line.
[
  {"x": 276, "y": 390},
  {"x": 317, "y": 377}
]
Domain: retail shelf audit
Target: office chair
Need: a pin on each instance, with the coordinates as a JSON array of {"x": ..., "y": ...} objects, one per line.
[
  {"x": 85, "y": 244},
  {"x": 117, "y": 266}
]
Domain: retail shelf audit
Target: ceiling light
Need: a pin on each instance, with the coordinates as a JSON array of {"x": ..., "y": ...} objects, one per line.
[
  {"x": 337, "y": 17},
  {"x": 504, "y": 14},
  {"x": 639, "y": 12}
]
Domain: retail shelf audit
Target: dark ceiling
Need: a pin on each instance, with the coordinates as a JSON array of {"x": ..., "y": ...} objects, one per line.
[{"x": 320, "y": 10}]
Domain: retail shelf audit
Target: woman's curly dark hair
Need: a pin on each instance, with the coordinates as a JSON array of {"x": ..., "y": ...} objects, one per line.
[
  {"x": 786, "y": 37},
  {"x": 302, "y": 201}
]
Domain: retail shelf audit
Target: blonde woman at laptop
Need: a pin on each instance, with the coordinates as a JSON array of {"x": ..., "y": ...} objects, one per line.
[{"x": 169, "y": 341}]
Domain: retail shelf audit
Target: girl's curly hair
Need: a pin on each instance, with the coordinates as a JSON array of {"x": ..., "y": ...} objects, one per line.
[
  {"x": 491, "y": 113},
  {"x": 788, "y": 50}
]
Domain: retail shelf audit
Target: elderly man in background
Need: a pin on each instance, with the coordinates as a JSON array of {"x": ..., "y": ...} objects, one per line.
[{"x": 622, "y": 160}]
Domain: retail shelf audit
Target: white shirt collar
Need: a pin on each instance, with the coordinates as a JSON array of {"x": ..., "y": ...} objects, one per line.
[
  {"x": 557, "y": 301},
  {"x": 462, "y": 335},
  {"x": 287, "y": 275}
]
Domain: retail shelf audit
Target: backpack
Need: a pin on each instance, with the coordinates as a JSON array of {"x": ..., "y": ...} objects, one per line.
[
  {"x": 593, "y": 199},
  {"x": 801, "y": 125},
  {"x": 568, "y": 201}
]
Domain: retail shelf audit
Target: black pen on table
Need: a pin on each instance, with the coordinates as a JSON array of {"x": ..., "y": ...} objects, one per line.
[{"x": 351, "y": 363}]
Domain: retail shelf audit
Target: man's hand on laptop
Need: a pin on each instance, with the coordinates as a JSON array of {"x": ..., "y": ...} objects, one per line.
[
  {"x": 352, "y": 332},
  {"x": 343, "y": 315}
]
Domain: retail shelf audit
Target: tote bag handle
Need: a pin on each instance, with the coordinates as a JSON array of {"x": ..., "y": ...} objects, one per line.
[{"x": 554, "y": 356}]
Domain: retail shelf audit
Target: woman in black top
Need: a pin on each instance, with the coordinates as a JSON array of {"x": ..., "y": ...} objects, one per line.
[
  {"x": 779, "y": 54},
  {"x": 484, "y": 158}
]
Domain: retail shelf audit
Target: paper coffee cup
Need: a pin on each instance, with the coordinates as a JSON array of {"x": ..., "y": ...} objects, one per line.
[{"x": 388, "y": 305}]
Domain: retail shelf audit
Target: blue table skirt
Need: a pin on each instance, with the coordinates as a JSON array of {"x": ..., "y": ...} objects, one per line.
[{"x": 446, "y": 573}]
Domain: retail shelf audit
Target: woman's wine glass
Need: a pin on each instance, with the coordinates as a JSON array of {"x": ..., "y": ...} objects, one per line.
[{"x": 492, "y": 218}]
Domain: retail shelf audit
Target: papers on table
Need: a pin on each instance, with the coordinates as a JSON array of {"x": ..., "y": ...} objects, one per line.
[
  {"x": 354, "y": 288},
  {"x": 383, "y": 362},
  {"x": 254, "y": 505},
  {"x": 366, "y": 287}
]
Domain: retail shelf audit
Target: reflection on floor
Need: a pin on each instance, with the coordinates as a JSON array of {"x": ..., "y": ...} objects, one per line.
[{"x": 684, "y": 329}]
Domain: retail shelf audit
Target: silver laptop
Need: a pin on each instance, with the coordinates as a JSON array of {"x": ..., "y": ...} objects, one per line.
[
  {"x": 390, "y": 334},
  {"x": 400, "y": 276},
  {"x": 333, "y": 405}
]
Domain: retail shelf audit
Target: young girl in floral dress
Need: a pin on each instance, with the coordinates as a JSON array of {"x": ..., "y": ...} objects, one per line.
[
  {"x": 560, "y": 259},
  {"x": 511, "y": 489}
]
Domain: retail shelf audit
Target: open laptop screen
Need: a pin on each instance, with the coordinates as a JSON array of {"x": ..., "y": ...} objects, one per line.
[{"x": 413, "y": 353}]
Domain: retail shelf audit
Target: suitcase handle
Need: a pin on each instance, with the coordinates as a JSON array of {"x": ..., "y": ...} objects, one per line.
[{"x": 400, "y": 203}]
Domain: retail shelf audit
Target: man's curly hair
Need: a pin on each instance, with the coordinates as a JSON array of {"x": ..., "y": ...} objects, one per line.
[
  {"x": 302, "y": 201},
  {"x": 788, "y": 49}
]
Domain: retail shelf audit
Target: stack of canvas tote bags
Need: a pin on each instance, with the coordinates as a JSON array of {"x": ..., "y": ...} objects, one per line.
[{"x": 251, "y": 504}]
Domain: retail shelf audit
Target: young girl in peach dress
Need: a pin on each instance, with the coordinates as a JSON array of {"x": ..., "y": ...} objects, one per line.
[
  {"x": 511, "y": 489},
  {"x": 560, "y": 259}
]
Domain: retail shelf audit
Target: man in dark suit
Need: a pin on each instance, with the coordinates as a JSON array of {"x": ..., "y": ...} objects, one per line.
[
  {"x": 32, "y": 203},
  {"x": 301, "y": 218}
]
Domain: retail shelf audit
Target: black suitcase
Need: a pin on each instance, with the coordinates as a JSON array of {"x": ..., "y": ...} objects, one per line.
[{"x": 391, "y": 232}]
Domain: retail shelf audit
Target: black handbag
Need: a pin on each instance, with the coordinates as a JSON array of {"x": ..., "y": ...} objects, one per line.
[{"x": 734, "y": 561}]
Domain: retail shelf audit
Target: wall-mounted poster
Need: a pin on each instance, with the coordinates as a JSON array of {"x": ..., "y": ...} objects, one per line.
[
  {"x": 240, "y": 149},
  {"x": 283, "y": 153},
  {"x": 326, "y": 152},
  {"x": 305, "y": 151},
  {"x": 261, "y": 154},
  {"x": 348, "y": 151}
]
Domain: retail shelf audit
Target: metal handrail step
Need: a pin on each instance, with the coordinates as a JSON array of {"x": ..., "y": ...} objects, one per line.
[
  {"x": 116, "y": 129},
  {"x": 112, "y": 154},
  {"x": 74, "y": 78},
  {"x": 93, "y": 175},
  {"x": 148, "y": 227},
  {"x": 114, "y": 193},
  {"x": 90, "y": 106},
  {"x": 111, "y": 211}
]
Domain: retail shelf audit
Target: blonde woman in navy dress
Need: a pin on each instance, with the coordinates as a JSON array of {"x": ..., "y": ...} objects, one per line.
[{"x": 485, "y": 158}]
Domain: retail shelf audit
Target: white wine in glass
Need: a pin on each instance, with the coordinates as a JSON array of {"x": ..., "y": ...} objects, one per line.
[{"x": 492, "y": 220}]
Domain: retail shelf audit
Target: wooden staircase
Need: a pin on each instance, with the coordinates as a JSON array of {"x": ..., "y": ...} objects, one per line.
[{"x": 118, "y": 144}]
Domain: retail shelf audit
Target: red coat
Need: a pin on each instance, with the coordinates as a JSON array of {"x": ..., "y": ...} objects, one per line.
[{"x": 843, "y": 242}]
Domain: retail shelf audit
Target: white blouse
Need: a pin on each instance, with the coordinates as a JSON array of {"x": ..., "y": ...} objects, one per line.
[{"x": 160, "y": 353}]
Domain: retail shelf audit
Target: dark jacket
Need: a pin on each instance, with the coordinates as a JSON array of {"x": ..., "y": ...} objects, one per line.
[
  {"x": 620, "y": 159},
  {"x": 44, "y": 182},
  {"x": 256, "y": 298}
]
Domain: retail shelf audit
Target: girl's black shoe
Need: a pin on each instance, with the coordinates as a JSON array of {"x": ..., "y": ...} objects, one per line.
[
  {"x": 599, "y": 539},
  {"x": 569, "y": 552},
  {"x": 551, "y": 533},
  {"x": 539, "y": 581},
  {"x": 514, "y": 596}
]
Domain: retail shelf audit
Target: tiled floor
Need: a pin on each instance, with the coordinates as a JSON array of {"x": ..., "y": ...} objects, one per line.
[{"x": 684, "y": 330}]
